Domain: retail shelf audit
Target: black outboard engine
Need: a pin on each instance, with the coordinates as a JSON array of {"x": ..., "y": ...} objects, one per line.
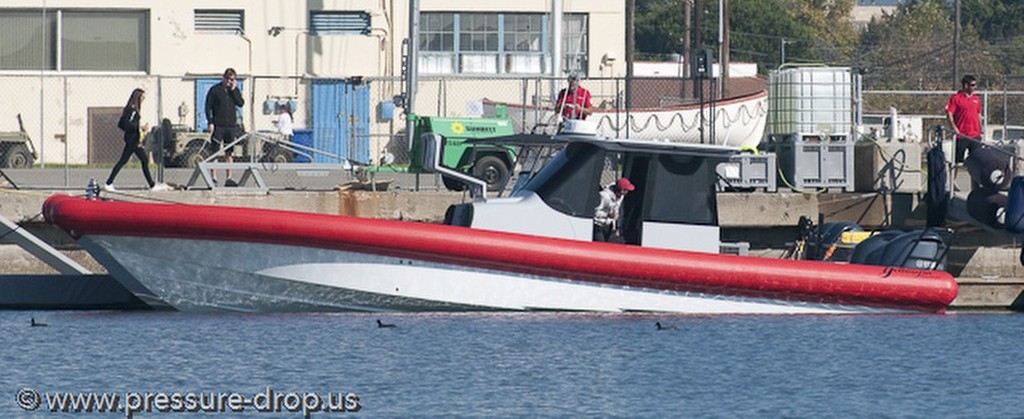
[
  {"x": 820, "y": 241},
  {"x": 831, "y": 235},
  {"x": 920, "y": 249},
  {"x": 832, "y": 232},
  {"x": 870, "y": 250}
]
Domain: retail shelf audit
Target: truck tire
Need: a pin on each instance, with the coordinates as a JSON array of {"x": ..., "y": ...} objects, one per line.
[
  {"x": 492, "y": 170},
  {"x": 193, "y": 155},
  {"x": 17, "y": 157},
  {"x": 276, "y": 154}
]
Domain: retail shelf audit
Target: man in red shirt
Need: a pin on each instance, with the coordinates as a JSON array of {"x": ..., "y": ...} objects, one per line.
[
  {"x": 574, "y": 101},
  {"x": 963, "y": 110}
]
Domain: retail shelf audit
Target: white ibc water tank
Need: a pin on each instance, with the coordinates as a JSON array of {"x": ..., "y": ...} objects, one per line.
[{"x": 810, "y": 100}]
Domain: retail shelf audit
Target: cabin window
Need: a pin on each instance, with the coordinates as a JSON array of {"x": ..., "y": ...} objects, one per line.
[
  {"x": 683, "y": 190},
  {"x": 570, "y": 182}
]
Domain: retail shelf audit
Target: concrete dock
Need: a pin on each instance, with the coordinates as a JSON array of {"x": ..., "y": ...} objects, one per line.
[{"x": 985, "y": 262}]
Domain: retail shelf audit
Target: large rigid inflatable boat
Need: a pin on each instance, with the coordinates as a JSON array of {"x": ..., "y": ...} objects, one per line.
[{"x": 530, "y": 251}]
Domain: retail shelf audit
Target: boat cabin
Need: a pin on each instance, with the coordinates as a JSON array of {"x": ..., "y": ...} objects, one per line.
[{"x": 674, "y": 205}]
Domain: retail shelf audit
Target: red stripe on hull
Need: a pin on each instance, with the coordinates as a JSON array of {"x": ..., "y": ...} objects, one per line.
[{"x": 585, "y": 261}]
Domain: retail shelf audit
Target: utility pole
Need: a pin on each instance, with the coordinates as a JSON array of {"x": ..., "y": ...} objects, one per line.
[
  {"x": 630, "y": 49},
  {"x": 698, "y": 44},
  {"x": 630, "y": 38},
  {"x": 558, "y": 73},
  {"x": 956, "y": 45},
  {"x": 782, "y": 51},
  {"x": 723, "y": 58},
  {"x": 412, "y": 71},
  {"x": 687, "y": 27},
  {"x": 557, "y": 56}
]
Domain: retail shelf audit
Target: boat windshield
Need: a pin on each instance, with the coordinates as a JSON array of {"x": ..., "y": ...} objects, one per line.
[
  {"x": 671, "y": 188},
  {"x": 569, "y": 183}
]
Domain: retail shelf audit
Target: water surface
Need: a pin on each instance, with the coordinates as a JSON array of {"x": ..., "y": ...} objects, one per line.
[{"x": 534, "y": 364}]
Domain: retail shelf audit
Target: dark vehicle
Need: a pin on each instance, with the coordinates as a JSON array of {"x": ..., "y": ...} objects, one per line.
[
  {"x": 16, "y": 149},
  {"x": 185, "y": 147}
]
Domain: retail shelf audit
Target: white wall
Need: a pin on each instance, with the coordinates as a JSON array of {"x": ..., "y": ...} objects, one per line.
[{"x": 180, "y": 54}]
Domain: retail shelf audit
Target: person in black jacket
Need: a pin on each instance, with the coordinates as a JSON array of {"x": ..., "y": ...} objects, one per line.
[
  {"x": 221, "y": 101},
  {"x": 129, "y": 123}
]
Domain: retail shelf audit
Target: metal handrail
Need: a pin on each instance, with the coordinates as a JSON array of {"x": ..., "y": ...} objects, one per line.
[{"x": 302, "y": 149}]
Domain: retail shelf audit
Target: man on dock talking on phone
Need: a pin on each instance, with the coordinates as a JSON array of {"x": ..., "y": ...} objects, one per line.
[{"x": 221, "y": 101}]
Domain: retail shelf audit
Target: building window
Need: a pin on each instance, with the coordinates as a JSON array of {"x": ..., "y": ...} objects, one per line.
[
  {"x": 220, "y": 21},
  {"x": 496, "y": 43},
  {"x": 524, "y": 43},
  {"x": 26, "y": 40},
  {"x": 339, "y": 23},
  {"x": 74, "y": 40},
  {"x": 104, "y": 41},
  {"x": 574, "y": 43},
  {"x": 478, "y": 41},
  {"x": 437, "y": 43}
]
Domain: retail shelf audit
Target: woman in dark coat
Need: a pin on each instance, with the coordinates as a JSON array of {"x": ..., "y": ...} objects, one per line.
[{"x": 129, "y": 123}]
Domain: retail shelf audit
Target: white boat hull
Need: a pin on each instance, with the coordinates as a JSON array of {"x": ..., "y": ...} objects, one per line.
[
  {"x": 222, "y": 276},
  {"x": 737, "y": 122},
  {"x": 205, "y": 258}
]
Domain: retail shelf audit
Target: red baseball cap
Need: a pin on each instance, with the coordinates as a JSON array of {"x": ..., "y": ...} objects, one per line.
[{"x": 624, "y": 184}]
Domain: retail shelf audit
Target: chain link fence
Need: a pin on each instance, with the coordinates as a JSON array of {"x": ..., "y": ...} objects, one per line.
[
  {"x": 920, "y": 112},
  {"x": 69, "y": 121}
]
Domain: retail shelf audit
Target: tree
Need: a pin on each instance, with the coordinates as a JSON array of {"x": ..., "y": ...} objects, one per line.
[
  {"x": 813, "y": 30},
  {"x": 912, "y": 49},
  {"x": 995, "y": 20},
  {"x": 659, "y": 26},
  {"x": 830, "y": 26},
  {"x": 998, "y": 23},
  {"x": 760, "y": 27},
  {"x": 909, "y": 49}
]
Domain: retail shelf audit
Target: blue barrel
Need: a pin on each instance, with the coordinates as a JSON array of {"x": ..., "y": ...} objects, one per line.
[
  {"x": 305, "y": 138},
  {"x": 1015, "y": 207}
]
